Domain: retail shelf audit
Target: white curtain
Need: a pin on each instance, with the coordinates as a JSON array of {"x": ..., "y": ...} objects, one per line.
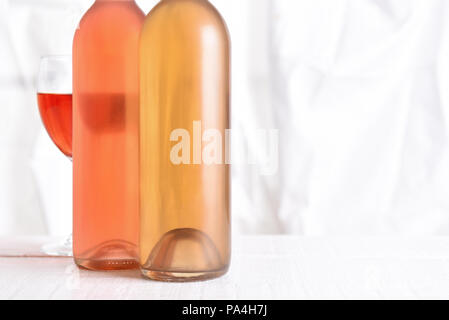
[{"x": 358, "y": 89}]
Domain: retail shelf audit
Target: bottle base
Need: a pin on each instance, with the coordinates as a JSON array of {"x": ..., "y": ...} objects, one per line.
[
  {"x": 108, "y": 256},
  {"x": 107, "y": 265},
  {"x": 168, "y": 276}
]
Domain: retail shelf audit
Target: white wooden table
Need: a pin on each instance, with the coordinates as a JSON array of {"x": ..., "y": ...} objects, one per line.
[{"x": 263, "y": 267}]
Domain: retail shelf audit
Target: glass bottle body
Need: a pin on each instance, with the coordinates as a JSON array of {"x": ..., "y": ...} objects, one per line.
[
  {"x": 185, "y": 184},
  {"x": 105, "y": 136}
]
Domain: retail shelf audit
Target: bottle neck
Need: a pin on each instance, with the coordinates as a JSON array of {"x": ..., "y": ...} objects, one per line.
[{"x": 114, "y": 0}]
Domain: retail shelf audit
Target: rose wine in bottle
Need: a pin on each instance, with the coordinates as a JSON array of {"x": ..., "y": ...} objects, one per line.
[
  {"x": 105, "y": 136},
  {"x": 184, "y": 115}
]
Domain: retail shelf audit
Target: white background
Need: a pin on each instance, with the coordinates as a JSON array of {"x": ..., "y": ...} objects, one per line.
[{"x": 359, "y": 90}]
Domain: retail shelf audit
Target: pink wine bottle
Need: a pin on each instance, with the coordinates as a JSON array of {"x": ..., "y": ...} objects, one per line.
[{"x": 105, "y": 136}]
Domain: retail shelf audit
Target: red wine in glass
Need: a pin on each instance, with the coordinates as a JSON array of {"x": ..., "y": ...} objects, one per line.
[{"x": 56, "y": 114}]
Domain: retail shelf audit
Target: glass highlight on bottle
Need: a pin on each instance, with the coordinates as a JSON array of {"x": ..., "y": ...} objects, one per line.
[
  {"x": 185, "y": 205},
  {"x": 105, "y": 136}
]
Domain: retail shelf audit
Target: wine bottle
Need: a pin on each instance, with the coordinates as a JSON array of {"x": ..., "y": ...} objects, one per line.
[
  {"x": 105, "y": 136},
  {"x": 184, "y": 116}
]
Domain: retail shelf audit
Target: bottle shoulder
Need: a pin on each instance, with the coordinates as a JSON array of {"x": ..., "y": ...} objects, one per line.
[
  {"x": 112, "y": 14},
  {"x": 185, "y": 13}
]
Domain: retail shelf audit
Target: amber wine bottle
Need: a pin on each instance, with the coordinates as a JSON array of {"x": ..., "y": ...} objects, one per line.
[
  {"x": 106, "y": 136},
  {"x": 184, "y": 117}
]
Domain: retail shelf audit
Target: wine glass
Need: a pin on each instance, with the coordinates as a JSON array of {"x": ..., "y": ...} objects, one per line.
[{"x": 54, "y": 96}]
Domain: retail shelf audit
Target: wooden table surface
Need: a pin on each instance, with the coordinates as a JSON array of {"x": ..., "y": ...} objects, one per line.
[{"x": 263, "y": 267}]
